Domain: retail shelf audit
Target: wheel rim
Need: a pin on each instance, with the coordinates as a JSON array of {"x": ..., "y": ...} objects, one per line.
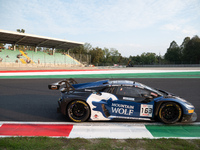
[
  {"x": 78, "y": 110},
  {"x": 170, "y": 113}
]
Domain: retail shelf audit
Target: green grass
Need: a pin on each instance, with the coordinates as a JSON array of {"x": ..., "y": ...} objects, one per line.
[{"x": 43, "y": 143}]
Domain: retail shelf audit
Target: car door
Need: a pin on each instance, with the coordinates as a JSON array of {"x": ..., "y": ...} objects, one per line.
[{"x": 132, "y": 102}]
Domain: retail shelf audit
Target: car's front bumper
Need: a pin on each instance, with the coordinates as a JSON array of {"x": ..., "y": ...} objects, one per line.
[{"x": 189, "y": 118}]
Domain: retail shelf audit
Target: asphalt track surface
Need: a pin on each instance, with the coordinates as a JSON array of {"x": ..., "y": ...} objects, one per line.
[{"x": 30, "y": 100}]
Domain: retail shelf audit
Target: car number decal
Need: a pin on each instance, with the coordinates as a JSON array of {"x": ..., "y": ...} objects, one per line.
[{"x": 146, "y": 110}]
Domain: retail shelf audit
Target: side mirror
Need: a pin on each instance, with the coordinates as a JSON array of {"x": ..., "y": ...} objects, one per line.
[
  {"x": 148, "y": 97},
  {"x": 54, "y": 87}
]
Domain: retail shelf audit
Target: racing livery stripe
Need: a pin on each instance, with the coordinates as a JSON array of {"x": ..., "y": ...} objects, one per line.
[{"x": 52, "y": 130}]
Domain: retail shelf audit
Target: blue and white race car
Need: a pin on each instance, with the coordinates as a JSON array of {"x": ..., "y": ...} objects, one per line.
[{"x": 120, "y": 100}]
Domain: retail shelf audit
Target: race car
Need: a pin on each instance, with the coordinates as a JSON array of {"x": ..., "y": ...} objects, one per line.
[{"x": 120, "y": 100}]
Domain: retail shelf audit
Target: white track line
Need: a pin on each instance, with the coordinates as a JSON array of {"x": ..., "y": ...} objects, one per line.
[{"x": 93, "y": 72}]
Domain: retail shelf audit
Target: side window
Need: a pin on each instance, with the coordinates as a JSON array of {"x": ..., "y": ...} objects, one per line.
[
  {"x": 108, "y": 90},
  {"x": 143, "y": 92},
  {"x": 132, "y": 91},
  {"x": 128, "y": 91}
]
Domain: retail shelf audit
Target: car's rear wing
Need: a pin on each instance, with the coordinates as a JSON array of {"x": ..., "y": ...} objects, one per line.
[{"x": 68, "y": 85}]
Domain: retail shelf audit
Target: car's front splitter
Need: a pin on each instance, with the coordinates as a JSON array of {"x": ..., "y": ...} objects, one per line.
[{"x": 189, "y": 118}]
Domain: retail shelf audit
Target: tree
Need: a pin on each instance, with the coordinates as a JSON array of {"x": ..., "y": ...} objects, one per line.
[
  {"x": 107, "y": 59},
  {"x": 185, "y": 42},
  {"x": 173, "y": 53},
  {"x": 136, "y": 60},
  {"x": 159, "y": 59},
  {"x": 87, "y": 47},
  {"x": 145, "y": 58},
  {"x": 82, "y": 49},
  {"x": 78, "y": 50},
  {"x": 21, "y": 31},
  {"x": 115, "y": 56},
  {"x": 97, "y": 55},
  {"x": 148, "y": 58},
  {"x": 191, "y": 52},
  {"x": 2, "y": 45}
]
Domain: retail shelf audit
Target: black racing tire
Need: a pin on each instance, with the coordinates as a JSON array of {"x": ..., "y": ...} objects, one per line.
[
  {"x": 170, "y": 113},
  {"x": 78, "y": 111}
]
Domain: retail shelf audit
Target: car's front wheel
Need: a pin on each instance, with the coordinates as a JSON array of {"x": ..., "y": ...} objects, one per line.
[
  {"x": 170, "y": 113},
  {"x": 78, "y": 111}
]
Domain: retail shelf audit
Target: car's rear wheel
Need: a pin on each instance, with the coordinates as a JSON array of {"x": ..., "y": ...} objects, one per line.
[
  {"x": 170, "y": 113},
  {"x": 78, "y": 111}
]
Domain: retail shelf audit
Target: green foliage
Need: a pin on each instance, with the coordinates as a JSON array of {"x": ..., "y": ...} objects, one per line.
[
  {"x": 82, "y": 49},
  {"x": 188, "y": 52},
  {"x": 21, "y": 31},
  {"x": 146, "y": 58},
  {"x": 191, "y": 52},
  {"x": 173, "y": 53},
  {"x": 97, "y": 55},
  {"x": 2, "y": 45}
]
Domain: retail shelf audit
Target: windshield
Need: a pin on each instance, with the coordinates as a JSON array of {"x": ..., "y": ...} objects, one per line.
[{"x": 148, "y": 88}]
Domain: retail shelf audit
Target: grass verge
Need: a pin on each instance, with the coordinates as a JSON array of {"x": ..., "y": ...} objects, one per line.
[{"x": 97, "y": 144}]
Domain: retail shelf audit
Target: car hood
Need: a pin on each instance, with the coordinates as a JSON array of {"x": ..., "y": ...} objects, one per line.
[{"x": 173, "y": 97}]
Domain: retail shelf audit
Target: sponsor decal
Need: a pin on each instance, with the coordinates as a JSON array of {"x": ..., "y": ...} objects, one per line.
[
  {"x": 95, "y": 102},
  {"x": 122, "y": 105},
  {"x": 122, "y": 109},
  {"x": 89, "y": 90},
  {"x": 129, "y": 98},
  {"x": 146, "y": 110}
]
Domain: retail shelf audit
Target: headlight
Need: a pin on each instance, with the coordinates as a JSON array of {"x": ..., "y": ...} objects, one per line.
[{"x": 190, "y": 111}]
